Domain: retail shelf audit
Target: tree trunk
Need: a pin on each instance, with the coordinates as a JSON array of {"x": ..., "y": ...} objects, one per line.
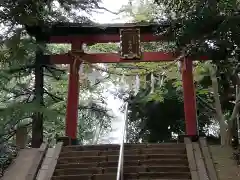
[
  {"x": 233, "y": 117},
  {"x": 37, "y": 124},
  {"x": 219, "y": 114}
]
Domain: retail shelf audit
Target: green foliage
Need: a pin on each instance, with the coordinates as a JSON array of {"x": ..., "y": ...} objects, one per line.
[
  {"x": 141, "y": 10},
  {"x": 7, "y": 154},
  {"x": 154, "y": 120},
  {"x": 158, "y": 119},
  {"x": 17, "y": 65},
  {"x": 34, "y": 12}
]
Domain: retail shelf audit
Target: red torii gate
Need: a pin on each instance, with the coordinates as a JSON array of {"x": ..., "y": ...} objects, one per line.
[{"x": 78, "y": 34}]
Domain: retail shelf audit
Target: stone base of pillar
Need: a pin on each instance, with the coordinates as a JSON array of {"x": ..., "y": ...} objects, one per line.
[
  {"x": 21, "y": 137},
  {"x": 67, "y": 140},
  {"x": 194, "y": 138}
]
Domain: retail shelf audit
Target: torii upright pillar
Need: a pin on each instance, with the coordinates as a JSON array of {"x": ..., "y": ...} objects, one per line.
[
  {"x": 189, "y": 98},
  {"x": 72, "y": 101}
]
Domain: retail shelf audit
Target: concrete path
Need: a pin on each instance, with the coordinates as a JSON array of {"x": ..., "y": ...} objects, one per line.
[
  {"x": 21, "y": 165},
  {"x": 226, "y": 167},
  {"x": 43, "y": 171}
]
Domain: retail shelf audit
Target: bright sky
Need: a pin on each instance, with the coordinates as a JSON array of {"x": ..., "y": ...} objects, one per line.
[{"x": 112, "y": 5}]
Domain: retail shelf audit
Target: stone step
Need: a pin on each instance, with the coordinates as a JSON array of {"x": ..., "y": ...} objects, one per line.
[
  {"x": 165, "y": 161},
  {"x": 126, "y": 146},
  {"x": 140, "y": 175},
  {"x": 64, "y": 160},
  {"x": 126, "y": 152},
  {"x": 129, "y": 169},
  {"x": 148, "y": 162},
  {"x": 136, "y": 169},
  {"x": 73, "y": 171}
]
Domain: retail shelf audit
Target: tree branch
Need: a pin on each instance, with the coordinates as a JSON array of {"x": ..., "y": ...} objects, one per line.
[
  {"x": 19, "y": 69},
  {"x": 54, "y": 97}
]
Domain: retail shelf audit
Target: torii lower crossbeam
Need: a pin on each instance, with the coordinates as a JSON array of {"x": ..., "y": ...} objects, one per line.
[{"x": 114, "y": 58}]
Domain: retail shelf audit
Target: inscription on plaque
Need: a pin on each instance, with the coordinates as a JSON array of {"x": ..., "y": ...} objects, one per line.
[{"x": 130, "y": 43}]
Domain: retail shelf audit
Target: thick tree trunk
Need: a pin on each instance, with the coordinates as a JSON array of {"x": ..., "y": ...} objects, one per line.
[
  {"x": 217, "y": 103},
  {"x": 37, "y": 124}
]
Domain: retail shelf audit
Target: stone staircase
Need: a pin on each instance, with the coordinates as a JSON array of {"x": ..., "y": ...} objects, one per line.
[{"x": 165, "y": 161}]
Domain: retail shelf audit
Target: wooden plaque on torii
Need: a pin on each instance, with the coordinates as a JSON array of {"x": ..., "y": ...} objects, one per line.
[{"x": 130, "y": 43}]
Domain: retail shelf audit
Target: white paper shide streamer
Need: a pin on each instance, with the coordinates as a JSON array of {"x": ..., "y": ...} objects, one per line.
[
  {"x": 162, "y": 79},
  {"x": 137, "y": 84},
  {"x": 122, "y": 78},
  {"x": 145, "y": 82},
  {"x": 82, "y": 76},
  {"x": 152, "y": 82},
  {"x": 179, "y": 66},
  {"x": 81, "y": 68},
  {"x": 94, "y": 77}
]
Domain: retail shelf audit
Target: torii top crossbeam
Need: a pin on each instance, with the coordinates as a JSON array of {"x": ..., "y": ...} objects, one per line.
[
  {"x": 76, "y": 34},
  {"x": 97, "y": 33}
]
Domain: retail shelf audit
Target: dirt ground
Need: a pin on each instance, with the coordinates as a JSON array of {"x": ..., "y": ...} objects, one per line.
[{"x": 227, "y": 168}]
